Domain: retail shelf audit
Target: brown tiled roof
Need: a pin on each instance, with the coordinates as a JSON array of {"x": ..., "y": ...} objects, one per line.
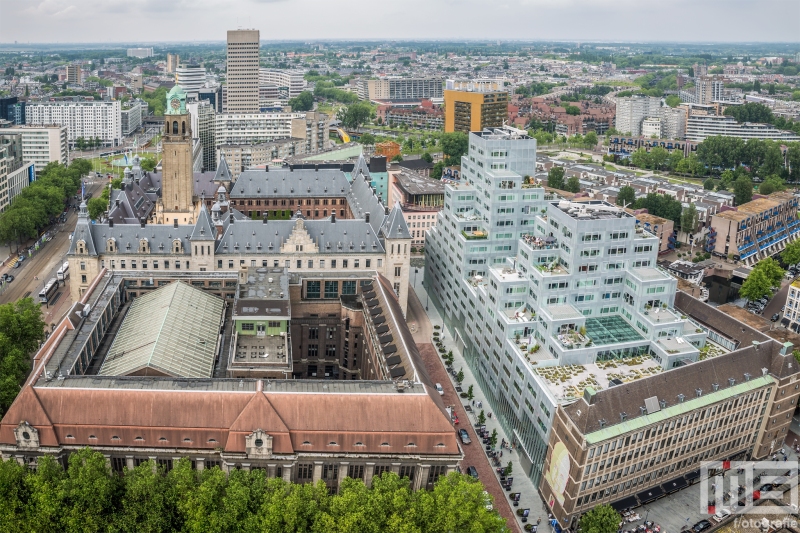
[
  {"x": 629, "y": 397},
  {"x": 717, "y": 320}
]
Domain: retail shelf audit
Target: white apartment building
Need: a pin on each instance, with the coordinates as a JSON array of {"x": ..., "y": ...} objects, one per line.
[
  {"x": 140, "y": 52},
  {"x": 87, "y": 119},
  {"x": 698, "y": 127},
  {"x": 651, "y": 127},
  {"x": 528, "y": 283},
  {"x": 288, "y": 82},
  {"x": 12, "y": 183},
  {"x": 131, "y": 116},
  {"x": 42, "y": 144},
  {"x": 707, "y": 89},
  {"x": 673, "y": 123},
  {"x": 632, "y": 111},
  {"x": 256, "y": 128},
  {"x": 202, "y": 118},
  {"x": 191, "y": 78},
  {"x": 400, "y": 89}
]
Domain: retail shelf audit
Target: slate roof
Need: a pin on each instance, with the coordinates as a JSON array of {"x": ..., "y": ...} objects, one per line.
[
  {"x": 83, "y": 232},
  {"x": 223, "y": 173},
  {"x": 395, "y": 227},
  {"x": 127, "y": 237},
  {"x": 204, "y": 228},
  {"x": 290, "y": 183}
]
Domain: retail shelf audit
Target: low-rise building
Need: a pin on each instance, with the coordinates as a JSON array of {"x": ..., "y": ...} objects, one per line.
[
  {"x": 420, "y": 198},
  {"x": 755, "y": 230},
  {"x": 698, "y": 127}
]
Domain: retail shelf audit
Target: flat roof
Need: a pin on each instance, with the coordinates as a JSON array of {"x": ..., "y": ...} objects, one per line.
[
  {"x": 413, "y": 183},
  {"x": 610, "y": 330},
  {"x": 596, "y": 375}
]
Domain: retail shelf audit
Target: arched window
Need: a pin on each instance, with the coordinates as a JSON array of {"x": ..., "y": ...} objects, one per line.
[
  {"x": 183, "y": 127},
  {"x": 174, "y": 127},
  {"x": 112, "y": 245},
  {"x": 177, "y": 247}
]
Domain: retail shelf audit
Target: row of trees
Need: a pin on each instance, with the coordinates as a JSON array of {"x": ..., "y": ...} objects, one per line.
[
  {"x": 757, "y": 157},
  {"x": 87, "y": 497},
  {"x": 37, "y": 204},
  {"x": 327, "y": 90},
  {"x": 21, "y": 332},
  {"x": 88, "y": 144},
  {"x": 754, "y": 112}
]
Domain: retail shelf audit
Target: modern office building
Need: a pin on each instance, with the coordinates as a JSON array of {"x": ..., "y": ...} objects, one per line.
[
  {"x": 41, "y": 144},
  {"x": 420, "y": 197},
  {"x": 74, "y": 75},
  {"x": 534, "y": 289},
  {"x": 213, "y": 95},
  {"x": 191, "y": 77},
  {"x": 83, "y": 118},
  {"x": 257, "y": 128},
  {"x": 173, "y": 60},
  {"x": 634, "y": 442},
  {"x": 286, "y": 83},
  {"x": 472, "y": 106},
  {"x": 12, "y": 110},
  {"x": 755, "y": 230},
  {"x": 242, "y": 71},
  {"x": 140, "y": 52},
  {"x": 131, "y": 114},
  {"x": 203, "y": 120},
  {"x": 698, "y": 127},
  {"x": 399, "y": 89},
  {"x": 791, "y": 313},
  {"x": 673, "y": 123},
  {"x": 357, "y": 402},
  {"x": 633, "y": 110}
]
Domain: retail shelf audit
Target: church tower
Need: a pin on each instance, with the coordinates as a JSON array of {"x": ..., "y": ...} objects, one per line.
[{"x": 177, "y": 182}]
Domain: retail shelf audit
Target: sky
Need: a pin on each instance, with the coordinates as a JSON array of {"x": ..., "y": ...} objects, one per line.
[{"x": 108, "y": 21}]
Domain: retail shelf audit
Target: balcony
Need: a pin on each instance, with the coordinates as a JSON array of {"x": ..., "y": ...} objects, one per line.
[
  {"x": 540, "y": 243},
  {"x": 475, "y": 235}
]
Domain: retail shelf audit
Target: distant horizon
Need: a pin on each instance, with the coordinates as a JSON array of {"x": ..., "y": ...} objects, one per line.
[{"x": 63, "y": 22}]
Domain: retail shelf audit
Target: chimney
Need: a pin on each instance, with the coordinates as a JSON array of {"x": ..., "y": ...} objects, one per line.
[
  {"x": 588, "y": 395},
  {"x": 787, "y": 348},
  {"x": 142, "y": 221},
  {"x": 367, "y": 218},
  {"x": 265, "y": 218},
  {"x": 174, "y": 222},
  {"x": 231, "y": 218},
  {"x": 333, "y": 216},
  {"x": 110, "y": 222},
  {"x": 117, "y": 202}
]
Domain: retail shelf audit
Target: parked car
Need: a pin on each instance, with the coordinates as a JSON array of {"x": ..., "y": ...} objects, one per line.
[
  {"x": 9, "y": 278},
  {"x": 464, "y": 436},
  {"x": 721, "y": 515},
  {"x": 472, "y": 471},
  {"x": 439, "y": 389},
  {"x": 702, "y": 525},
  {"x": 775, "y": 317},
  {"x": 487, "y": 501}
]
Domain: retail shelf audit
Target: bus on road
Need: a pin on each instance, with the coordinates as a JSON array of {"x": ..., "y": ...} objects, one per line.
[{"x": 50, "y": 289}]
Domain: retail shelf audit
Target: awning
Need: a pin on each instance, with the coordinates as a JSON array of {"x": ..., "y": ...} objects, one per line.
[
  {"x": 376, "y": 311},
  {"x": 625, "y": 503},
  {"x": 369, "y": 295},
  {"x": 675, "y": 484},
  {"x": 397, "y": 372},
  {"x": 385, "y": 339},
  {"x": 379, "y": 320},
  {"x": 650, "y": 494},
  {"x": 389, "y": 349},
  {"x": 381, "y": 329},
  {"x": 372, "y": 303},
  {"x": 393, "y": 360},
  {"x": 694, "y": 474}
]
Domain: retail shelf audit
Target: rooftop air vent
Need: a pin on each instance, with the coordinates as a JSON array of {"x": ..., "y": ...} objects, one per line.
[
  {"x": 699, "y": 392},
  {"x": 623, "y": 416},
  {"x": 715, "y": 386},
  {"x": 731, "y": 382},
  {"x": 746, "y": 376},
  {"x": 681, "y": 397}
]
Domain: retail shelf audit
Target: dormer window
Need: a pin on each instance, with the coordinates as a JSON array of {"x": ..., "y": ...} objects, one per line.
[
  {"x": 111, "y": 245},
  {"x": 177, "y": 246},
  {"x": 81, "y": 247},
  {"x": 144, "y": 246}
]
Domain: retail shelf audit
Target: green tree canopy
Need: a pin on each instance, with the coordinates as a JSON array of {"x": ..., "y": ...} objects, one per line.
[
  {"x": 626, "y": 196},
  {"x": 427, "y": 157},
  {"x": 757, "y": 285},
  {"x": 791, "y": 254},
  {"x": 600, "y": 519},
  {"x": 454, "y": 145},
  {"x": 555, "y": 177},
  {"x": 661, "y": 205},
  {"x": 367, "y": 138},
  {"x": 743, "y": 190},
  {"x": 708, "y": 184},
  {"x": 302, "y": 102},
  {"x": 21, "y": 332},
  {"x": 573, "y": 184},
  {"x": 689, "y": 219}
]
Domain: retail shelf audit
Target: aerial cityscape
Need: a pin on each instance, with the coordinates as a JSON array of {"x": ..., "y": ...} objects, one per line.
[{"x": 463, "y": 276}]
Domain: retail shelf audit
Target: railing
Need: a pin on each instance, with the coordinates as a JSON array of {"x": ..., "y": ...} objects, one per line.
[{"x": 472, "y": 236}]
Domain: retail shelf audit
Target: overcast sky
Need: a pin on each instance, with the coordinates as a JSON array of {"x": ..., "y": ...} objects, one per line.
[{"x": 49, "y": 21}]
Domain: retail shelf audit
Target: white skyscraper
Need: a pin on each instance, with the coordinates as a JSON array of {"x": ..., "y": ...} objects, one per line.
[{"x": 242, "y": 71}]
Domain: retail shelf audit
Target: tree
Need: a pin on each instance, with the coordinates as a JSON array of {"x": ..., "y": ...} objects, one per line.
[
  {"x": 673, "y": 100},
  {"x": 508, "y": 469},
  {"x": 454, "y": 145},
  {"x": 367, "y": 138},
  {"x": 460, "y": 375},
  {"x": 148, "y": 164},
  {"x": 772, "y": 184},
  {"x": 600, "y": 519},
  {"x": 96, "y": 207},
  {"x": 397, "y": 158},
  {"x": 573, "y": 185},
  {"x": 21, "y": 332},
  {"x": 470, "y": 393},
  {"x": 438, "y": 169},
  {"x": 626, "y": 196},
  {"x": 572, "y": 110},
  {"x": 555, "y": 177},
  {"x": 658, "y": 157},
  {"x": 757, "y": 285},
  {"x": 457, "y": 503},
  {"x": 791, "y": 254},
  {"x": 427, "y": 157},
  {"x": 356, "y": 115},
  {"x": 743, "y": 190},
  {"x": 493, "y": 438},
  {"x": 772, "y": 269},
  {"x": 481, "y": 417},
  {"x": 708, "y": 184},
  {"x": 80, "y": 143},
  {"x": 689, "y": 219},
  {"x": 641, "y": 158},
  {"x": 302, "y": 102},
  {"x": 88, "y": 492},
  {"x": 590, "y": 139},
  {"x": 146, "y": 504}
]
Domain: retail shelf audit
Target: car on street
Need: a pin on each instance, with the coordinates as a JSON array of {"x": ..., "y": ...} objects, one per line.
[
  {"x": 721, "y": 515},
  {"x": 702, "y": 525},
  {"x": 472, "y": 471},
  {"x": 9, "y": 278},
  {"x": 439, "y": 389},
  {"x": 775, "y": 317},
  {"x": 464, "y": 436},
  {"x": 487, "y": 501}
]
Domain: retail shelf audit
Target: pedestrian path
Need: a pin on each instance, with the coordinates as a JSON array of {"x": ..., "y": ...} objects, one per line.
[{"x": 529, "y": 495}]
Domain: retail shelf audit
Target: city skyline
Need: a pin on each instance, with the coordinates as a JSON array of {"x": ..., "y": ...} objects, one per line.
[{"x": 87, "y": 21}]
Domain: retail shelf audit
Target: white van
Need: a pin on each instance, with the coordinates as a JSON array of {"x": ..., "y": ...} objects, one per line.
[
  {"x": 63, "y": 272},
  {"x": 439, "y": 389}
]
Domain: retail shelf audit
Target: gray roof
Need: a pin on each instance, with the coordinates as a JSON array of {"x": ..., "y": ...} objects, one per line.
[
  {"x": 127, "y": 237},
  {"x": 342, "y": 236},
  {"x": 413, "y": 183},
  {"x": 395, "y": 227},
  {"x": 204, "y": 228},
  {"x": 83, "y": 232},
  {"x": 171, "y": 331},
  {"x": 363, "y": 199},
  {"x": 290, "y": 183},
  {"x": 223, "y": 173}
]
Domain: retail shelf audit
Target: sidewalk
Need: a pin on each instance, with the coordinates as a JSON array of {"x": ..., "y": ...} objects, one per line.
[{"x": 529, "y": 497}]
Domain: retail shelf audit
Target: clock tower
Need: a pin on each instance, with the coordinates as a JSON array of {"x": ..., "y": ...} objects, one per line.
[{"x": 177, "y": 179}]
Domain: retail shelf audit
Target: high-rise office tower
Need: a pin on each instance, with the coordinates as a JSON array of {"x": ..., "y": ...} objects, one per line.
[
  {"x": 74, "y": 74},
  {"x": 242, "y": 75},
  {"x": 172, "y": 62}
]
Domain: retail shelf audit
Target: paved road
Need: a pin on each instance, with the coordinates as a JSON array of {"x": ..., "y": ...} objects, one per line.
[
  {"x": 473, "y": 453},
  {"x": 778, "y": 301}
]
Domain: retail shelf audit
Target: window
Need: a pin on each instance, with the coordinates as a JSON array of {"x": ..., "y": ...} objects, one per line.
[
  {"x": 313, "y": 350},
  {"x": 367, "y": 263},
  {"x": 330, "y": 350},
  {"x": 331, "y": 289},
  {"x": 313, "y": 333},
  {"x": 248, "y": 326},
  {"x": 348, "y": 287},
  {"x": 312, "y": 289}
]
